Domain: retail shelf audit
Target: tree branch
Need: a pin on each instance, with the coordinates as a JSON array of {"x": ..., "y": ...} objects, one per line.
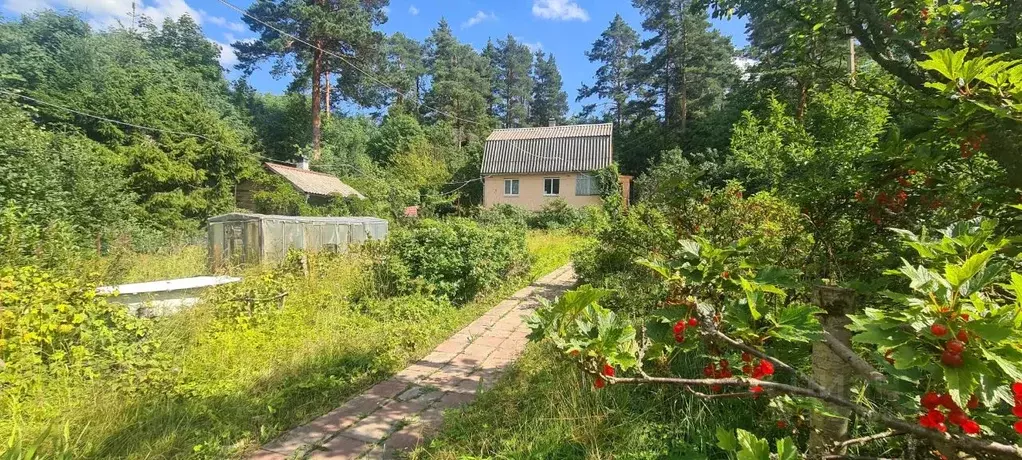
[
  {"x": 965, "y": 444},
  {"x": 778, "y": 363},
  {"x": 860, "y": 365},
  {"x": 865, "y": 439}
]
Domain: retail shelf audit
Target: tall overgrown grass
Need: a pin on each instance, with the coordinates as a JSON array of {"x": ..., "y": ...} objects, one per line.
[{"x": 226, "y": 382}]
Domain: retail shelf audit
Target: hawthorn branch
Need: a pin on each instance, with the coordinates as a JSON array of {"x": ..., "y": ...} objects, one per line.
[
  {"x": 702, "y": 395},
  {"x": 961, "y": 443},
  {"x": 776, "y": 362},
  {"x": 870, "y": 438},
  {"x": 860, "y": 365}
]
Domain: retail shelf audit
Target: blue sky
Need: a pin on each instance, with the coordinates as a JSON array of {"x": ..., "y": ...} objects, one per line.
[{"x": 565, "y": 28}]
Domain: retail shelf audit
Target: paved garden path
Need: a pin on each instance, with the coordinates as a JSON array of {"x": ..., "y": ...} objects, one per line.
[{"x": 397, "y": 414}]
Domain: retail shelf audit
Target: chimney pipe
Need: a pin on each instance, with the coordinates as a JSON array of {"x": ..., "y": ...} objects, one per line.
[
  {"x": 303, "y": 163},
  {"x": 552, "y": 121}
]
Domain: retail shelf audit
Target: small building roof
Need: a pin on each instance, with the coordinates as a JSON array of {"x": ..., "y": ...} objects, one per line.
[
  {"x": 241, "y": 216},
  {"x": 312, "y": 182},
  {"x": 552, "y": 149}
]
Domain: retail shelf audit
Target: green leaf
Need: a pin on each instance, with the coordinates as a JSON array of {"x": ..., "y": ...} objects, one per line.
[
  {"x": 753, "y": 448},
  {"x": 906, "y": 357},
  {"x": 726, "y": 440},
  {"x": 990, "y": 329},
  {"x": 947, "y": 63},
  {"x": 961, "y": 381},
  {"x": 1007, "y": 364},
  {"x": 754, "y": 296},
  {"x": 889, "y": 338},
  {"x": 786, "y": 450}
]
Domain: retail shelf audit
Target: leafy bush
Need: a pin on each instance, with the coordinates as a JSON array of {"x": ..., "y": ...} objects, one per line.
[
  {"x": 505, "y": 214},
  {"x": 24, "y": 241},
  {"x": 592, "y": 220},
  {"x": 457, "y": 258},
  {"x": 53, "y": 324},
  {"x": 553, "y": 215}
]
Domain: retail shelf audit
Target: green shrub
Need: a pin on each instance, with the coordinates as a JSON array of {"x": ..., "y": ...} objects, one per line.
[
  {"x": 53, "y": 324},
  {"x": 504, "y": 214},
  {"x": 555, "y": 214},
  {"x": 592, "y": 220},
  {"x": 456, "y": 258}
]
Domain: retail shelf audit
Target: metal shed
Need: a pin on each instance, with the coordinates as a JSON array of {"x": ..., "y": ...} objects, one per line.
[{"x": 240, "y": 238}]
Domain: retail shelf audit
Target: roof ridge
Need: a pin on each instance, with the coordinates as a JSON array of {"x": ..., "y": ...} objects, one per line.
[{"x": 270, "y": 163}]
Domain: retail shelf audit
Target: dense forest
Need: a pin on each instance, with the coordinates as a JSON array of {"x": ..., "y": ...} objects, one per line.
[{"x": 860, "y": 150}]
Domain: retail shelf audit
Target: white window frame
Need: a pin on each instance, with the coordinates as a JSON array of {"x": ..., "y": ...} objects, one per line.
[
  {"x": 558, "y": 179},
  {"x": 515, "y": 187}
]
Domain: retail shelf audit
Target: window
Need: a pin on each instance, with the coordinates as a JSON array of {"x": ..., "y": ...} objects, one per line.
[
  {"x": 587, "y": 185},
  {"x": 510, "y": 187},
  {"x": 551, "y": 186}
]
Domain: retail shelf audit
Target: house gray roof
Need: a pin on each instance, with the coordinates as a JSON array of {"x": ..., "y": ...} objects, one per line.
[
  {"x": 313, "y": 183},
  {"x": 554, "y": 149}
]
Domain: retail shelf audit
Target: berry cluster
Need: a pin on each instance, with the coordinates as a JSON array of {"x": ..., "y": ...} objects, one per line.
[
  {"x": 971, "y": 145},
  {"x": 952, "y": 355},
  {"x": 679, "y": 328},
  {"x": 608, "y": 371},
  {"x": 935, "y": 418},
  {"x": 724, "y": 372},
  {"x": 1016, "y": 388}
]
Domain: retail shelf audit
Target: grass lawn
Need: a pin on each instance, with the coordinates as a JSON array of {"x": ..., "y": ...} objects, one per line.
[{"x": 229, "y": 388}]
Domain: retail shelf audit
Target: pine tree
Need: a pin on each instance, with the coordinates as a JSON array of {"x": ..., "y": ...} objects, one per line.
[
  {"x": 549, "y": 101},
  {"x": 513, "y": 71},
  {"x": 617, "y": 50},
  {"x": 691, "y": 65},
  {"x": 405, "y": 70},
  {"x": 346, "y": 28},
  {"x": 460, "y": 85}
]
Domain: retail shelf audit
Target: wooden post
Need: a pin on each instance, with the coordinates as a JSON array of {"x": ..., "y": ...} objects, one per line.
[{"x": 831, "y": 371}]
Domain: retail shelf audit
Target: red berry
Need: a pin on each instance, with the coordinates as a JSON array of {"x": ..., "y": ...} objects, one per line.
[
  {"x": 962, "y": 335},
  {"x": 747, "y": 369},
  {"x": 756, "y": 389},
  {"x": 951, "y": 359},
  {"x": 725, "y": 364},
  {"x": 887, "y": 356},
  {"x": 1018, "y": 427},
  {"x": 970, "y": 427},
  {"x": 958, "y": 417},
  {"x": 692, "y": 322},
  {"x": 767, "y": 367},
  {"x": 941, "y": 427},
  {"x": 679, "y": 337},
  {"x": 955, "y": 347},
  {"x": 716, "y": 388},
  {"x": 781, "y": 424},
  {"x": 973, "y": 402},
  {"x": 679, "y": 327},
  {"x": 599, "y": 383},
  {"x": 948, "y": 402},
  {"x": 965, "y": 317},
  {"x": 725, "y": 275},
  {"x": 608, "y": 370},
  {"x": 925, "y": 422},
  {"x": 1017, "y": 410},
  {"x": 930, "y": 400},
  {"x": 725, "y": 373},
  {"x": 1017, "y": 389},
  {"x": 938, "y": 330},
  {"x": 574, "y": 353},
  {"x": 746, "y": 357},
  {"x": 935, "y": 416},
  {"x": 709, "y": 370}
]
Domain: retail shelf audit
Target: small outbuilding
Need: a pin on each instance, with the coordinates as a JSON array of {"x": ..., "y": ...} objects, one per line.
[
  {"x": 317, "y": 187},
  {"x": 240, "y": 238}
]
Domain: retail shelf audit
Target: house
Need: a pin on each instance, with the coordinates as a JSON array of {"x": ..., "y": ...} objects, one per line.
[
  {"x": 316, "y": 186},
  {"x": 529, "y": 167}
]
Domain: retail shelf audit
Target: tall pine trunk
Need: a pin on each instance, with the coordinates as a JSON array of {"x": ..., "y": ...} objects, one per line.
[{"x": 317, "y": 99}]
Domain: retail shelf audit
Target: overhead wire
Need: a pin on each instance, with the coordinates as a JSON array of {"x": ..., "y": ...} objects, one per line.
[{"x": 372, "y": 77}]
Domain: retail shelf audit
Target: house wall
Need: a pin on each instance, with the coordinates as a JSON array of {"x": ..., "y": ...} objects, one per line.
[{"x": 530, "y": 191}]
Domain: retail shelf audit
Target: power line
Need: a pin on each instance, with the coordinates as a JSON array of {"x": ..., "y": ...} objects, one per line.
[{"x": 370, "y": 75}]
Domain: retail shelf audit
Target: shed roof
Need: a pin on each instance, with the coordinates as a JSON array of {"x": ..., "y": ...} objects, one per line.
[
  {"x": 236, "y": 216},
  {"x": 569, "y": 148},
  {"x": 313, "y": 183}
]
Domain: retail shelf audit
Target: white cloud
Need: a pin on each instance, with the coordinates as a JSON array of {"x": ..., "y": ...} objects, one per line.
[
  {"x": 533, "y": 46},
  {"x": 563, "y": 10},
  {"x": 480, "y": 16},
  {"x": 237, "y": 26},
  {"x": 412, "y": 10},
  {"x": 216, "y": 20},
  {"x": 227, "y": 55},
  {"x": 106, "y": 13}
]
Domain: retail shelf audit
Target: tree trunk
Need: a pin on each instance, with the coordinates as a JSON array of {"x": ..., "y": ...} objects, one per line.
[
  {"x": 326, "y": 94},
  {"x": 682, "y": 77},
  {"x": 830, "y": 370},
  {"x": 851, "y": 59},
  {"x": 317, "y": 99}
]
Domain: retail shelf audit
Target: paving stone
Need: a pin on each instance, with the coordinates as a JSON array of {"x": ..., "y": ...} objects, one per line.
[
  {"x": 263, "y": 454},
  {"x": 454, "y": 400},
  {"x": 489, "y": 341},
  {"x": 414, "y": 392},
  {"x": 416, "y": 372},
  {"x": 326, "y": 425},
  {"x": 388, "y": 388},
  {"x": 437, "y": 357},
  {"x": 451, "y": 346},
  {"x": 341, "y": 448},
  {"x": 402, "y": 440}
]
